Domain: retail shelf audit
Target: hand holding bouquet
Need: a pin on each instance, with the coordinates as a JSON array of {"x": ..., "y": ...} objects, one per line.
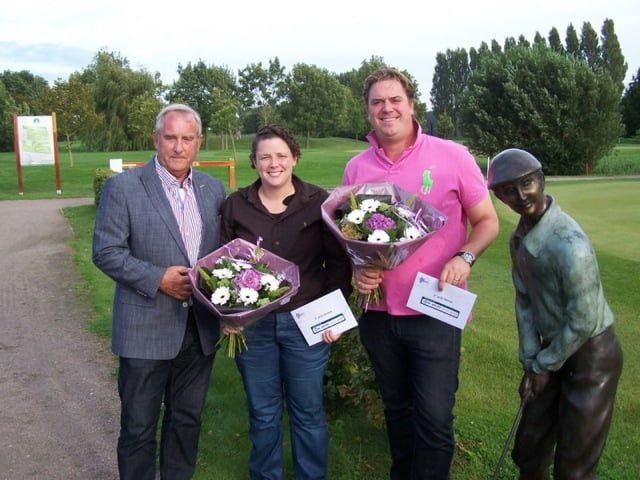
[
  {"x": 379, "y": 225},
  {"x": 240, "y": 283}
]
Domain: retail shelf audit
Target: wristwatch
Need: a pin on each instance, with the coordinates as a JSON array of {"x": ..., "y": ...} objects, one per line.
[{"x": 468, "y": 257}]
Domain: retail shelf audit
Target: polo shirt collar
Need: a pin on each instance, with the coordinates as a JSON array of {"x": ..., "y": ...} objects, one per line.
[{"x": 373, "y": 141}]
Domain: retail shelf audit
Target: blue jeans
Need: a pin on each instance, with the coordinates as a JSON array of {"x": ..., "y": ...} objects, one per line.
[
  {"x": 279, "y": 365},
  {"x": 415, "y": 360}
]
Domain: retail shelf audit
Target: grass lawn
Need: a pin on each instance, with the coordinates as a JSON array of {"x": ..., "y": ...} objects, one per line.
[
  {"x": 324, "y": 162},
  {"x": 490, "y": 372}
]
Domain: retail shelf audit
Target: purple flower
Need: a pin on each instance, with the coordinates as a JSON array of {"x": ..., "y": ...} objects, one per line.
[
  {"x": 377, "y": 221},
  {"x": 248, "y": 279}
]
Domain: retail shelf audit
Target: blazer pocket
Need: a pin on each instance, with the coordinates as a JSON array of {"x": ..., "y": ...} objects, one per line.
[{"x": 131, "y": 297}]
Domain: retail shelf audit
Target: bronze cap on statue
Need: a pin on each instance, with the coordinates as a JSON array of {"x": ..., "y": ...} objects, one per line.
[{"x": 511, "y": 164}]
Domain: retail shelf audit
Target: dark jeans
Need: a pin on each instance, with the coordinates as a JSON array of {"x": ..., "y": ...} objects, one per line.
[
  {"x": 143, "y": 384},
  {"x": 279, "y": 365},
  {"x": 416, "y": 360},
  {"x": 573, "y": 413}
]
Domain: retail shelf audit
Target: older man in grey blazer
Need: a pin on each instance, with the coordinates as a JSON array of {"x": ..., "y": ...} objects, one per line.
[{"x": 152, "y": 224}]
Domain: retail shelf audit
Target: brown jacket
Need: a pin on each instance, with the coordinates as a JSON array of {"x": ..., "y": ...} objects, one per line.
[{"x": 298, "y": 234}]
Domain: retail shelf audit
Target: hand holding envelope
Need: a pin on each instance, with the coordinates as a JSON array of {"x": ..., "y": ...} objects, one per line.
[
  {"x": 452, "y": 305},
  {"x": 329, "y": 312}
]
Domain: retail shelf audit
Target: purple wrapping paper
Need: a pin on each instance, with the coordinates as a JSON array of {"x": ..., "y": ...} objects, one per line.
[
  {"x": 241, "y": 248},
  {"x": 380, "y": 255}
]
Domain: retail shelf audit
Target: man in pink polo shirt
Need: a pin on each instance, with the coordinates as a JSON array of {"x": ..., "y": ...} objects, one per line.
[{"x": 416, "y": 357}]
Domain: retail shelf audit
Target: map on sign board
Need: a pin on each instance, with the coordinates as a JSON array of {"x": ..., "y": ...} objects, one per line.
[{"x": 35, "y": 140}]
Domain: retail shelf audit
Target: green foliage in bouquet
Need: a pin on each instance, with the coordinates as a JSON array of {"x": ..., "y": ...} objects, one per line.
[
  {"x": 373, "y": 218},
  {"x": 239, "y": 284}
]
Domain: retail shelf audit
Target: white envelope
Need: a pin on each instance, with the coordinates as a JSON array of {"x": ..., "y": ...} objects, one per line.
[
  {"x": 452, "y": 305},
  {"x": 330, "y": 311}
]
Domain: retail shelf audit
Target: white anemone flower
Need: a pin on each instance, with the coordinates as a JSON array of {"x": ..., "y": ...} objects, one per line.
[
  {"x": 356, "y": 216},
  {"x": 242, "y": 265},
  {"x": 222, "y": 273},
  {"x": 220, "y": 296},
  {"x": 248, "y": 296},
  {"x": 370, "y": 205},
  {"x": 411, "y": 233},
  {"x": 378, "y": 236},
  {"x": 270, "y": 282}
]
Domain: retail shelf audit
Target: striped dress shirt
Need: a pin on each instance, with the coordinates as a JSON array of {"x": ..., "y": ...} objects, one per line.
[{"x": 185, "y": 209}]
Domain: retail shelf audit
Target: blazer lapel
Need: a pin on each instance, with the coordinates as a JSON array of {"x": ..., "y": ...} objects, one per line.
[{"x": 153, "y": 187}]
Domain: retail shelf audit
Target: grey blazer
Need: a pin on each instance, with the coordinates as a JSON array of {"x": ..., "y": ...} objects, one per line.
[{"x": 136, "y": 237}]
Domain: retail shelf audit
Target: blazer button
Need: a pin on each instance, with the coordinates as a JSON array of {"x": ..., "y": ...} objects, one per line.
[{"x": 185, "y": 304}]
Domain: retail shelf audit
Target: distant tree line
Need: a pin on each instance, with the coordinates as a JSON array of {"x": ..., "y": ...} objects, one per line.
[
  {"x": 562, "y": 102},
  {"x": 109, "y": 106}
]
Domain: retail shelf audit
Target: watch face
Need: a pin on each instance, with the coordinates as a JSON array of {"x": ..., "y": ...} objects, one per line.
[{"x": 468, "y": 257}]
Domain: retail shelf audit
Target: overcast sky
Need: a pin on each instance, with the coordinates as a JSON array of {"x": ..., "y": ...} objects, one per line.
[{"x": 54, "y": 39}]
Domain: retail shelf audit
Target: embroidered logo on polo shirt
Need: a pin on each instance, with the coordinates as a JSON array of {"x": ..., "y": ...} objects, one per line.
[{"x": 427, "y": 183}]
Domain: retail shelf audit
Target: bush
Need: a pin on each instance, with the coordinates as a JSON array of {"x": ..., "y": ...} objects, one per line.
[
  {"x": 101, "y": 175},
  {"x": 623, "y": 161},
  {"x": 349, "y": 378}
]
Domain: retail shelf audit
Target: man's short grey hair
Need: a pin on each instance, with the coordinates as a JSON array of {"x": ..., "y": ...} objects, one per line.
[{"x": 177, "y": 107}]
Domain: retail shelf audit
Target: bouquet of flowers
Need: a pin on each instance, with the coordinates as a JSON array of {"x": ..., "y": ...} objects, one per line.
[
  {"x": 379, "y": 225},
  {"x": 241, "y": 282}
]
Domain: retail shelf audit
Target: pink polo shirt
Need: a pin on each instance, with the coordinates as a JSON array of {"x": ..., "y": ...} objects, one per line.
[{"x": 444, "y": 174}]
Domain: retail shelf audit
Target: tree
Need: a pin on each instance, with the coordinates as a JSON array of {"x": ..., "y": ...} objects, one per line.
[
  {"x": 523, "y": 42},
  {"x": 572, "y": 42},
  {"x": 475, "y": 57},
  {"x": 495, "y": 46},
  {"x": 27, "y": 90},
  {"x": 449, "y": 81},
  {"x": 314, "y": 101},
  {"x": 73, "y": 102},
  {"x": 508, "y": 43},
  {"x": 354, "y": 79},
  {"x": 539, "y": 40},
  {"x": 441, "y": 85},
  {"x": 356, "y": 123},
  {"x": 226, "y": 119},
  {"x": 550, "y": 104},
  {"x": 7, "y": 107},
  {"x": 142, "y": 114},
  {"x": 630, "y": 106},
  {"x": 612, "y": 59},
  {"x": 261, "y": 88},
  {"x": 589, "y": 46},
  {"x": 554, "y": 41},
  {"x": 195, "y": 86},
  {"x": 445, "y": 126},
  {"x": 115, "y": 86}
]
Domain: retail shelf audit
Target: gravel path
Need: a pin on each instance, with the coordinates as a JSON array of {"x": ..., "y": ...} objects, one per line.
[{"x": 59, "y": 407}]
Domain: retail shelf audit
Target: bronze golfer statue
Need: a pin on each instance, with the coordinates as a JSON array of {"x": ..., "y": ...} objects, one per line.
[{"x": 570, "y": 354}]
